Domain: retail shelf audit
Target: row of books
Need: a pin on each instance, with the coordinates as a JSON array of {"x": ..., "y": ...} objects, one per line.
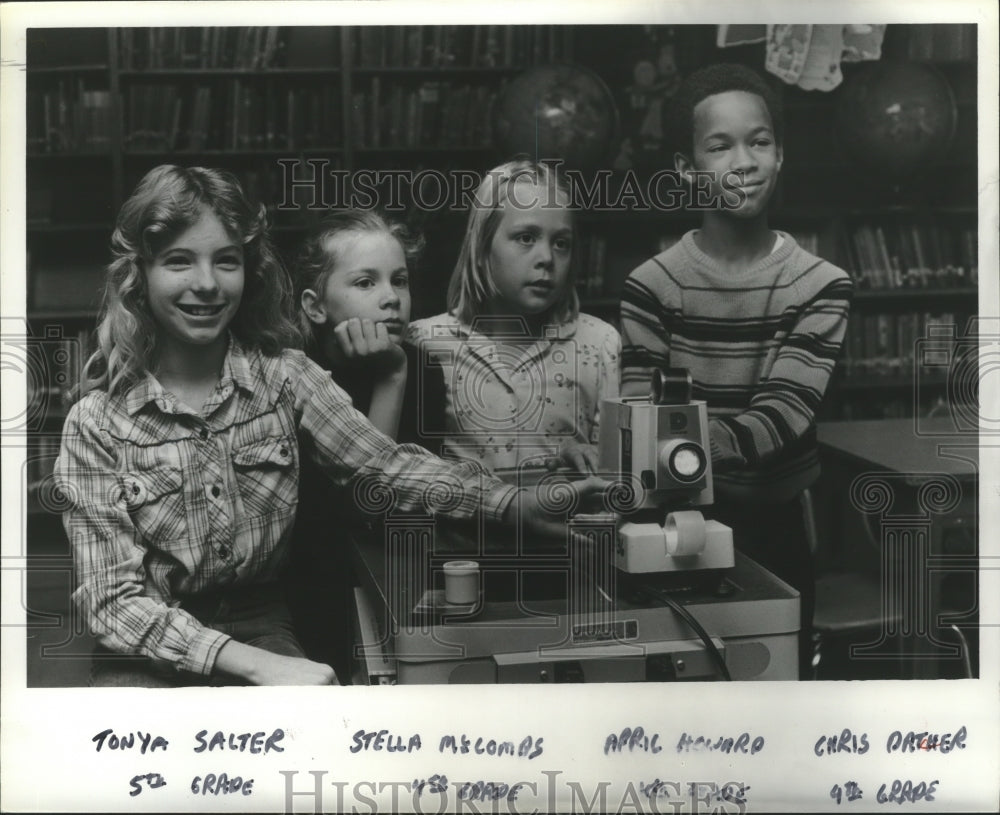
[
  {"x": 435, "y": 114},
  {"x": 67, "y": 285},
  {"x": 416, "y": 46},
  {"x": 591, "y": 269},
  {"x": 204, "y": 48},
  {"x": 602, "y": 275},
  {"x": 69, "y": 193},
  {"x": 58, "y": 47},
  {"x": 288, "y": 205},
  {"x": 888, "y": 345},
  {"x": 807, "y": 240},
  {"x": 236, "y": 115},
  {"x": 240, "y": 115},
  {"x": 942, "y": 41},
  {"x": 450, "y": 46},
  {"x": 68, "y": 119},
  {"x": 907, "y": 254}
]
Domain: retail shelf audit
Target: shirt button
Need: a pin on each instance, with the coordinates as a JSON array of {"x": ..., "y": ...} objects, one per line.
[
  {"x": 224, "y": 551},
  {"x": 216, "y": 491},
  {"x": 203, "y": 434},
  {"x": 283, "y": 451}
]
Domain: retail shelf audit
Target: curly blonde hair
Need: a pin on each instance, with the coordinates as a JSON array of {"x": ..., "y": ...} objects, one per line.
[{"x": 168, "y": 200}]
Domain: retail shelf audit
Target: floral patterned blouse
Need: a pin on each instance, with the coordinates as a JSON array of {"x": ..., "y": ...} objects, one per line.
[{"x": 511, "y": 398}]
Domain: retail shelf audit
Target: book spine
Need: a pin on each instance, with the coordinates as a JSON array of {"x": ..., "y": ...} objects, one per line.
[
  {"x": 291, "y": 125},
  {"x": 375, "y": 102},
  {"x": 415, "y": 46},
  {"x": 600, "y": 258}
]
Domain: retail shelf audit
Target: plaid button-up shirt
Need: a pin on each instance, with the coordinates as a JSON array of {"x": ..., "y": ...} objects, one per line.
[{"x": 166, "y": 503}]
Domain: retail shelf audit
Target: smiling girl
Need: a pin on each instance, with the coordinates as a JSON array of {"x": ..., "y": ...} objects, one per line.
[{"x": 524, "y": 371}]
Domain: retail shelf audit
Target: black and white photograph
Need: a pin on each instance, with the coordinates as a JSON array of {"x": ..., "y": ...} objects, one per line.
[{"x": 378, "y": 357}]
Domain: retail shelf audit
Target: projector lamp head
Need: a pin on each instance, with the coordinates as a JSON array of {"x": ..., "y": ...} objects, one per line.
[{"x": 660, "y": 441}]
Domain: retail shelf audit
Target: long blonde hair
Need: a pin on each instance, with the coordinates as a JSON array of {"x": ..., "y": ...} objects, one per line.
[
  {"x": 471, "y": 286},
  {"x": 168, "y": 200}
]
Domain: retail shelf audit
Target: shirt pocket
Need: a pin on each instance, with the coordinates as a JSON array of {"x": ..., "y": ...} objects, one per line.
[
  {"x": 266, "y": 475},
  {"x": 155, "y": 503}
]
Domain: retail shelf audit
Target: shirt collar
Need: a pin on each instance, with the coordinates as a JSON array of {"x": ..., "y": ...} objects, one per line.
[
  {"x": 554, "y": 331},
  {"x": 146, "y": 390},
  {"x": 235, "y": 368}
]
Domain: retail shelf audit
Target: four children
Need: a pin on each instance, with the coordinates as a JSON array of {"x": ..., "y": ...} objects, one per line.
[{"x": 182, "y": 458}]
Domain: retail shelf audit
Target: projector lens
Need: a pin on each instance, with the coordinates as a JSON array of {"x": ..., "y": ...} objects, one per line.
[{"x": 687, "y": 462}]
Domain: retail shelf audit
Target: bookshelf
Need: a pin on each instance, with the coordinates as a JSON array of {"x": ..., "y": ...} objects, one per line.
[
  {"x": 912, "y": 250},
  {"x": 104, "y": 105}
]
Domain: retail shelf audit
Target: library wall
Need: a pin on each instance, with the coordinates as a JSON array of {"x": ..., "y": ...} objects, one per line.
[{"x": 105, "y": 105}]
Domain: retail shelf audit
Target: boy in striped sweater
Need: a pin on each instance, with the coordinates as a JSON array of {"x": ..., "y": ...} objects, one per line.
[{"x": 756, "y": 319}]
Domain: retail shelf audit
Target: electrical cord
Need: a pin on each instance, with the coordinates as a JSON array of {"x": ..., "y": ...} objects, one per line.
[
  {"x": 685, "y": 615},
  {"x": 964, "y": 646},
  {"x": 873, "y": 540}
]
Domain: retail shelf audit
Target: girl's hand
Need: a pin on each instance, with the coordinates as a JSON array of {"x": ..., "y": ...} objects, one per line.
[
  {"x": 284, "y": 670},
  {"x": 538, "y": 515},
  {"x": 578, "y": 455},
  {"x": 364, "y": 340},
  {"x": 260, "y": 667}
]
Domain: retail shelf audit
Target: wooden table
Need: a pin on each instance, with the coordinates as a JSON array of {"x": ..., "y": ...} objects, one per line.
[
  {"x": 916, "y": 485},
  {"x": 900, "y": 446}
]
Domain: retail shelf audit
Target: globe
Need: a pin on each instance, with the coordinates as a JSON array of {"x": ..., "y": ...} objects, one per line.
[
  {"x": 557, "y": 112},
  {"x": 896, "y": 118}
]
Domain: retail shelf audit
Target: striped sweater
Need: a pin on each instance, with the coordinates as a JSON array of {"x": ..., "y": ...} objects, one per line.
[{"x": 760, "y": 346}]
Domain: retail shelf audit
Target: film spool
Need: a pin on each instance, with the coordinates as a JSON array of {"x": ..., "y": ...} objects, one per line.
[
  {"x": 685, "y": 533},
  {"x": 671, "y": 386},
  {"x": 461, "y": 582}
]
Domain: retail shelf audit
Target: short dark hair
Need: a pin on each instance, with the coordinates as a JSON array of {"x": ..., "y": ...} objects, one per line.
[{"x": 678, "y": 123}]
